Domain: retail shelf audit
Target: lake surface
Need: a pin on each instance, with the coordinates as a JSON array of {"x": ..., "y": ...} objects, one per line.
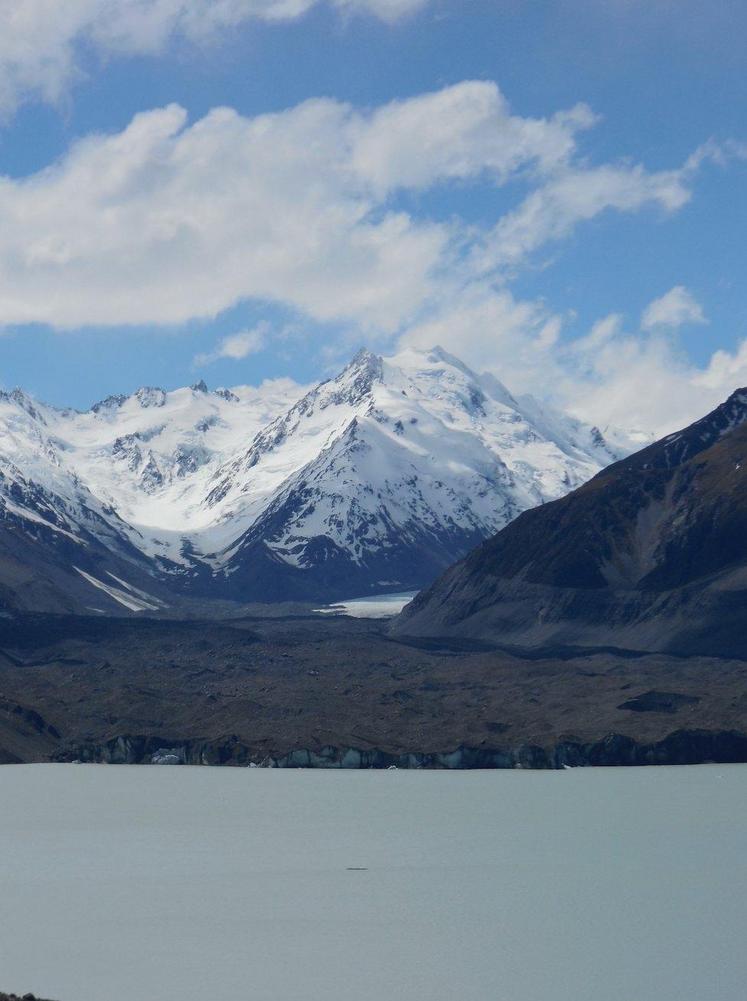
[
  {"x": 178, "y": 884},
  {"x": 380, "y": 606}
]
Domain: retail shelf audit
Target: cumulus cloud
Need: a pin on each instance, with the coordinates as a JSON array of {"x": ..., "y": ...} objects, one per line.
[
  {"x": 613, "y": 375},
  {"x": 574, "y": 195},
  {"x": 674, "y": 309},
  {"x": 648, "y": 382},
  {"x": 41, "y": 41},
  {"x": 492, "y": 330},
  {"x": 170, "y": 220},
  {"x": 236, "y": 346},
  {"x": 164, "y": 222},
  {"x": 167, "y": 221},
  {"x": 458, "y": 133}
]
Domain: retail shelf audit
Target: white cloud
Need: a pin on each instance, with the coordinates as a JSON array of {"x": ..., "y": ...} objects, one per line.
[
  {"x": 493, "y": 331},
  {"x": 165, "y": 222},
  {"x": 632, "y": 379},
  {"x": 168, "y": 221},
  {"x": 41, "y": 40},
  {"x": 600, "y": 334},
  {"x": 649, "y": 383},
  {"x": 458, "y": 133},
  {"x": 674, "y": 309},
  {"x": 236, "y": 346},
  {"x": 574, "y": 195}
]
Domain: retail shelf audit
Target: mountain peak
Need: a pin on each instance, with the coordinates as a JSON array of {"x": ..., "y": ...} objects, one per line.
[
  {"x": 199, "y": 387},
  {"x": 737, "y": 403},
  {"x": 109, "y": 403},
  {"x": 434, "y": 355},
  {"x": 357, "y": 378},
  {"x": 437, "y": 353},
  {"x": 363, "y": 358},
  {"x": 25, "y": 402},
  {"x": 387, "y": 472},
  {"x": 151, "y": 396},
  {"x": 226, "y": 394}
]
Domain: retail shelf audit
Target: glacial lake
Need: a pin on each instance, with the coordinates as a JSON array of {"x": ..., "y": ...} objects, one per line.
[
  {"x": 197, "y": 884},
  {"x": 379, "y": 606}
]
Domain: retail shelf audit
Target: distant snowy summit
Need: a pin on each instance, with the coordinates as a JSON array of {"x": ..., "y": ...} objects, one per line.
[{"x": 373, "y": 481}]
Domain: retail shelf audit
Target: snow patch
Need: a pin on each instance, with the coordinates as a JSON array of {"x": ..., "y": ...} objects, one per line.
[{"x": 135, "y": 604}]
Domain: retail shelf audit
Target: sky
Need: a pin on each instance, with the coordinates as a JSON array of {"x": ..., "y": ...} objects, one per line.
[{"x": 237, "y": 190}]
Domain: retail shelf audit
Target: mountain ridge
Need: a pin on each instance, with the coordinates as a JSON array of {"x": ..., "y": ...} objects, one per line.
[
  {"x": 378, "y": 477},
  {"x": 649, "y": 554}
]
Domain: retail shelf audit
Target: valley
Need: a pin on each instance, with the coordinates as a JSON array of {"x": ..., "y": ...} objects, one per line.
[
  {"x": 600, "y": 623},
  {"x": 303, "y": 689}
]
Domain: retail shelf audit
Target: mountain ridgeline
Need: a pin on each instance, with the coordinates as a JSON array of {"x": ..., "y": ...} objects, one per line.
[
  {"x": 374, "y": 481},
  {"x": 649, "y": 555}
]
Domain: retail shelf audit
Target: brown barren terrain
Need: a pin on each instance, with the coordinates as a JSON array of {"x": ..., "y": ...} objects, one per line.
[{"x": 255, "y": 690}]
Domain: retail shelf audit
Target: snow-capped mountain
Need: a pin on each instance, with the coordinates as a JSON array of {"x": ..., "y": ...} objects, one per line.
[
  {"x": 92, "y": 504},
  {"x": 372, "y": 481},
  {"x": 649, "y": 555}
]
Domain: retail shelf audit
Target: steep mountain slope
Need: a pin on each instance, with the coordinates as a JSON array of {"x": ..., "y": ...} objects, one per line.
[
  {"x": 373, "y": 481},
  {"x": 151, "y": 456},
  {"x": 61, "y": 548},
  {"x": 380, "y": 478},
  {"x": 651, "y": 554},
  {"x": 93, "y": 505}
]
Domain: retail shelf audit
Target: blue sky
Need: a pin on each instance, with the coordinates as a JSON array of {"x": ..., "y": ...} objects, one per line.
[{"x": 527, "y": 237}]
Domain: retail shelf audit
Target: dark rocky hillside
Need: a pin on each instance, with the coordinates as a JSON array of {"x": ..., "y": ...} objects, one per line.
[
  {"x": 650, "y": 555},
  {"x": 339, "y": 692}
]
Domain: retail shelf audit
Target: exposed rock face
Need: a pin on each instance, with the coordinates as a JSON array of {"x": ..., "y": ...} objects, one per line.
[
  {"x": 682, "y": 747},
  {"x": 651, "y": 554}
]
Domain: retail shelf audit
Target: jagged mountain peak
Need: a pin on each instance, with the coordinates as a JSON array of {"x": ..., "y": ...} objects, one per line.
[
  {"x": 357, "y": 379},
  {"x": 363, "y": 358},
  {"x": 109, "y": 403},
  {"x": 150, "y": 396},
  {"x": 25, "y": 402},
  {"x": 145, "y": 396},
  {"x": 413, "y": 453},
  {"x": 373, "y": 479}
]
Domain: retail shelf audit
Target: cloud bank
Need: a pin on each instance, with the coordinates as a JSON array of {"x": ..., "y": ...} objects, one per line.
[
  {"x": 42, "y": 41},
  {"x": 169, "y": 221}
]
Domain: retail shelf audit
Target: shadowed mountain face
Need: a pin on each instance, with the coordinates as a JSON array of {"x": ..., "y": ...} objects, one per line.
[{"x": 651, "y": 554}]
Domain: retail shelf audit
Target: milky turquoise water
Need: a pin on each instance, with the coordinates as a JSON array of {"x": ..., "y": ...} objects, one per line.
[{"x": 179, "y": 884}]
